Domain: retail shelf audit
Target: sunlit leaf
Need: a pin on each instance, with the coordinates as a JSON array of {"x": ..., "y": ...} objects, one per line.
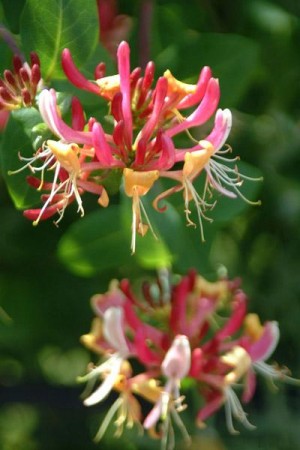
[{"x": 49, "y": 26}]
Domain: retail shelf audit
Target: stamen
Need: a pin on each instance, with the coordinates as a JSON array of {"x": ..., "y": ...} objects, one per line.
[
  {"x": 108, "y": 418},
  {"x": 221, "y": 173},
  {"x": 275, "y": 373},
  {"x": 200, "y": 204},
  {"x": 233, "y": 408}
]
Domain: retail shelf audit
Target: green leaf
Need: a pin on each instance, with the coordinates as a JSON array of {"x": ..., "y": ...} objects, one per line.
[
  {"x": 96, "y": 243},
  {"x": 233, "y": 59},
  {"x": 49, "y": 26},
  {"x": 12, "y": 11},
  {"x": 17, "y": 140}
]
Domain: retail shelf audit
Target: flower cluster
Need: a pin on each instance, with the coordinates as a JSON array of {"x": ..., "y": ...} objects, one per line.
[
  {"x": 147, "y": 118},
  {"x": 19, "y": 87},
  {"x": 151, "y": 340}
]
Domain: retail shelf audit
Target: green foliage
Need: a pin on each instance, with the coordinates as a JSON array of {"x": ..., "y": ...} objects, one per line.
[
  {"x": 52, "y": 25},
  {"x": 47, "y": 275},
  {"x": 20, "y": 126}
]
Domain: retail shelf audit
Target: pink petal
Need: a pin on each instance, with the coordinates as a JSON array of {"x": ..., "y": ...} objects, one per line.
[
  {"x": 211, "y": 406},
  {"x": 262, "y": 349},
  {"x": 74, "y": 75},
  {"x": 159, "y": 98},
  {"x": 203, "y": 112},
  {"x": 103, "y": 150},
  {"x": 48, "y": 110},
  {"x": 154, "y": 415},
  {"x": 250, "y": 385},
  {"x": 192, "y": 99},
  {"x": 221, "y": 130},
  {"x": 236, "y": 319},
  {"x": 124, "y": 71}
]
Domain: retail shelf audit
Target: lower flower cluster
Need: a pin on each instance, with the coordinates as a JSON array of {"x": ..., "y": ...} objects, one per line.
[{"x": 152, "y": 338}]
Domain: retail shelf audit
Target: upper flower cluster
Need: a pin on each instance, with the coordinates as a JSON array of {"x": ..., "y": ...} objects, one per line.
[
  {"x": 190, "y": 329},
  {"x": 147, "y": 118}
]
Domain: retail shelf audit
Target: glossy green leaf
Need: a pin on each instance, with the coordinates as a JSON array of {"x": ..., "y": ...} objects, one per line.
[
  {"x": 17, "y": 140},
  {"x": 233, "y": 59},
  {"x": 96, "y": 243},
  {"x": 49, "y": 26}
]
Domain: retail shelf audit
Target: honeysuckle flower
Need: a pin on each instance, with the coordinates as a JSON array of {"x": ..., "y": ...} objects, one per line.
[
  {"x": 111, "y": 368},
  {"x": 260, "y": 341},
  {"x": 147, "y": 119},
  {"x": 154, "y": 337},
  {"x": 140, "y": 141},
  {"x": 126, "y": 407},
  {"x": 136, "y": 185},
  {"x": 174, "y": 367},
  {"x": 71, "y": 164},
  {"x": 19, "y": 87}
]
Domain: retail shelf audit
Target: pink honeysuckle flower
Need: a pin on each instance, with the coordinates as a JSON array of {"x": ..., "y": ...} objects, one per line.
[
  {"x": 147, "y": 118},
  {"x": 175, "y": 331},
  {"x": 71, "y": 164},
  {"x": 260, "y": 341},
  {"x": 18, "y": 88},
  {"x": 146, "y": 121},
  {"x": 69, "y": 180},
  {"x": 111, "y": 368},
  {"x": 221, "y": 392},
  {"x": 175, "y": 367}
]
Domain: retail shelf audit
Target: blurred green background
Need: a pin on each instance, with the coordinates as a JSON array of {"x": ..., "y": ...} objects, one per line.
[{"x": 48, "y": 274}]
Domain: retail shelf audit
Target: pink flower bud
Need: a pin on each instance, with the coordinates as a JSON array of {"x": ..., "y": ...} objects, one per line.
[{"x": 177, "y": 361}]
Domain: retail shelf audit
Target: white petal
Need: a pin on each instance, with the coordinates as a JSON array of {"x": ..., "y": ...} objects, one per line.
[{"x": 107, "y": 385}]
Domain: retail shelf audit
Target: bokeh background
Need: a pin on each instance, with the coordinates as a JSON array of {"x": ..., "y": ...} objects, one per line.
[{"x": 47, "y": 275}]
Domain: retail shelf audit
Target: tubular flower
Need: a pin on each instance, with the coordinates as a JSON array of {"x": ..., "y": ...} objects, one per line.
[
  {"x": 70, "y": 163},
  {"x": 147, "y": 117},
  {"x": 151, "y": 338},
  {"x": 19, "y": 87}
]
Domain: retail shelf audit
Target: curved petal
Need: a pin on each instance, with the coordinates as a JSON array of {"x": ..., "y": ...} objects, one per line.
[
  {"x": 192, "y": 99},
  {"x": 74, "y": 75},
  {"x": 159, "y": 98},
  {"x": 263, "y": 348},
  {"x": 113, "y": 330},
  {"x": 107, "y": 385},
  {"x": 50, "y": 115},
  {"x": 203, "y": 112},
  {"x": 103, "y": 151},
  {"x": 236, "y": 319}
]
